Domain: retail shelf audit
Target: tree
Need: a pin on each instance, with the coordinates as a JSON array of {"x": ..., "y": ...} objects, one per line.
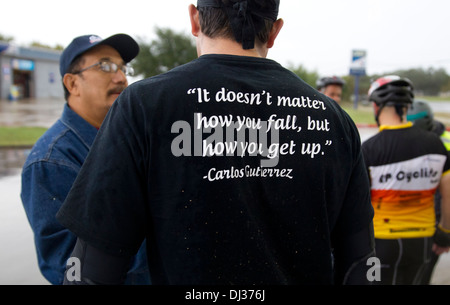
[
  {"x": 446, "y": 87},
  {"x": 348, "y": 91},
  {"x": 37, "y": 44},
  {"x": 6, "y": 38},
  {"x": 309, "y": 77},
  {"x": 168, "y": 51},
  {"x": 427, "y": 82}
]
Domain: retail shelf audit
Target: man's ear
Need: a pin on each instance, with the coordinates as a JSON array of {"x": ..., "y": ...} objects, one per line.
[
  {"x": 375, "y": 106},
  {"x": 71, "y": 83},
  {"x": 195, "y": 23},
  {"x": 277, "y": 25}
]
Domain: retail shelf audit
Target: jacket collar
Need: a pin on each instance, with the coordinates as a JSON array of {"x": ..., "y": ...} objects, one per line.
[{"x": 85, "y": 131}]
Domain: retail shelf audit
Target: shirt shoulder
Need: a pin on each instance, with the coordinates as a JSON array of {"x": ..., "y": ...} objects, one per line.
[{"x": 59, "y": 145}]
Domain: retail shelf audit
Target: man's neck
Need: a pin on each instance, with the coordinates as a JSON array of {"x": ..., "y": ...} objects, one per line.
[
  {"x": 392, "y": 121},
  {"x": 228, "y": 47},
  {"x": 389, "y": 117}
]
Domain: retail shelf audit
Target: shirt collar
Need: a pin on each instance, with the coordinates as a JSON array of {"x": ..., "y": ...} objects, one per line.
[
  {"x": 393, "y": 127},
  {"x": 85, "y": 131}
]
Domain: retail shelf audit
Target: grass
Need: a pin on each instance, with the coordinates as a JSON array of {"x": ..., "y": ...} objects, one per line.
[
  {"x": 20, "y": 136},
  {"x": 362, "y": 115}
]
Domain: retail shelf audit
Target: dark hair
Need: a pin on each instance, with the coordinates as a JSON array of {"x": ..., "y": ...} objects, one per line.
[
  {"x": 74, "y": 66},
  {"x": 215, "y": 24}
]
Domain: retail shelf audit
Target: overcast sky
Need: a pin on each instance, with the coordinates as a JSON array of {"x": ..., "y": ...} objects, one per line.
[{"x": 318, "y": 34}]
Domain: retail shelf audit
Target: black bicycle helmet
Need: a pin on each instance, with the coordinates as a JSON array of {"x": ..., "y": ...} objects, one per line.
[
  {"x": 391, "y": 90},
  {"x": 326, "y": 81}
]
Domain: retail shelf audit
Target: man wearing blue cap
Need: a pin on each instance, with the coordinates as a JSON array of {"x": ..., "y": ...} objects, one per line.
[
  {"x": 182, "y": 160},
  {"x": 93, "y": 72}
]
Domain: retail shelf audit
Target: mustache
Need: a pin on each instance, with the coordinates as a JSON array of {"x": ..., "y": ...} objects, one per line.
[{"x": 116, "y": 90}]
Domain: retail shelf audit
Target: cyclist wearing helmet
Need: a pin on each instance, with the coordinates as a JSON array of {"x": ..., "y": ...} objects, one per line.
[
  {"x": 406, "y": 165},
  {"x": 421, "y": 114},
  {"x": 331, "y": 87}
]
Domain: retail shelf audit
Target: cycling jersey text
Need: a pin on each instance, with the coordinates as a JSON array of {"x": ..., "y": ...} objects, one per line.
[{"x": 409, "y": 176}]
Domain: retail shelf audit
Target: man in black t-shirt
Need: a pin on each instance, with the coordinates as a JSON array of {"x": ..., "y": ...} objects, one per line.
[{"x": 233, "y": 169}]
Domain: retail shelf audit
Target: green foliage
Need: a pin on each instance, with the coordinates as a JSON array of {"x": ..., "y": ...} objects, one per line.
[
  {"x": 6, "y": 38},
  {"x": 446, "y": 87},
  {"x": 58, "y": 47},
  {"x": 349, "y": 89},
  {"x": 168, "y": 51},
  {"x": 427, "y": 82},
  {"x": 20, "y": 136},
  {"x": 309, "y": 77}
]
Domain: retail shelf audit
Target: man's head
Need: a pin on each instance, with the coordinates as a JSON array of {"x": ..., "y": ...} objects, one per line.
[
  {"x": 94, "y": 73},
  {"x": 248, "y": 22},
  {"x": 331, "y": 87},
  {"x": 391, "y": 91}
]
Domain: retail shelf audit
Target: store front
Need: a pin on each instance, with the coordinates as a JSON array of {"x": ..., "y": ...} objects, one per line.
[
  {"x": 29, "y": 73},
  {"x": 22, "y": 78}
]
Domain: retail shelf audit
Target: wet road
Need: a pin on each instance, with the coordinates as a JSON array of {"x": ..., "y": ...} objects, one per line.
[
  {"x": 18, "y": 263},
  {"x": 31, "y": 112}
]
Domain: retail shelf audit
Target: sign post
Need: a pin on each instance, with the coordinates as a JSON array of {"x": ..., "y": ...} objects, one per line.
[{"x": 358, "y": 69}]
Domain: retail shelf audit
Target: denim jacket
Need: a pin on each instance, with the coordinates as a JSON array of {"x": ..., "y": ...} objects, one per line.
[{"x": 47, "y": 176}]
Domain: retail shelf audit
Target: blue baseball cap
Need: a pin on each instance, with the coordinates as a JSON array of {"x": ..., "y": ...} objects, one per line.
[{"x": 123, "y": 43}]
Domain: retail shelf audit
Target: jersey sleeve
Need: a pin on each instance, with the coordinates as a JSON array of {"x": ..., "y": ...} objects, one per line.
[{"x": 102, "y": 208}]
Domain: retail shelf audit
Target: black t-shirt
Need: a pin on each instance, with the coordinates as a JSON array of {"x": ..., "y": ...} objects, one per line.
[{"x": 215, "y": 206}]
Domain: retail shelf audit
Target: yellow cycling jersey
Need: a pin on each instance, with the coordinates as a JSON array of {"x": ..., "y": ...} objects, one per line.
[
  {"x": 403, "y": 196},
  {"x": 405, "y": 165}
]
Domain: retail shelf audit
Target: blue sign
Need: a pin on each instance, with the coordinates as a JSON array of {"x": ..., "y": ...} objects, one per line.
[
  {"x": 358, "y": 65},
  {"x": 22, "y": 64}
]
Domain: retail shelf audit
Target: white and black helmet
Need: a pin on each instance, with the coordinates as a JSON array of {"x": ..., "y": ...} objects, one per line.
[{"x": 391, "y": 90}]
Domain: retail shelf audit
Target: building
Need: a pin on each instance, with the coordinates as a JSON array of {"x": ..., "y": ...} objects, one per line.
[{"x": 28, "y": 72}]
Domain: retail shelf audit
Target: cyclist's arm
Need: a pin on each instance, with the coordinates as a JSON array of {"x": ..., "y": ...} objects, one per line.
[
  {"x": 442, "y": 236},
  {"x": 444, "y": 189}
]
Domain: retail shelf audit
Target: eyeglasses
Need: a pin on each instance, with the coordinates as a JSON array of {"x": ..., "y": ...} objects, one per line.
[{"x": 110, "y": 67}]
